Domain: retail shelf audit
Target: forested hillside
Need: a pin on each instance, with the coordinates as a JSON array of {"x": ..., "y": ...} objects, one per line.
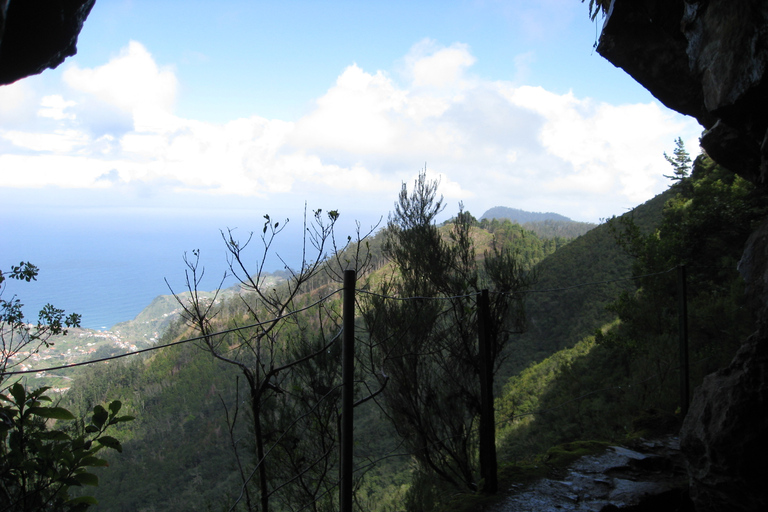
[
  {"x": 184, "y": 394},
  {"x": 521, "y": 216},
  {"x": 545, "y": 225},
  {"x": 624, "y": 380},
  {"x": 194, "y": 408}
]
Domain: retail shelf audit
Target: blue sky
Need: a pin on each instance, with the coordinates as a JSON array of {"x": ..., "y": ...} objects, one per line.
[{"x": 263, "y": 106}]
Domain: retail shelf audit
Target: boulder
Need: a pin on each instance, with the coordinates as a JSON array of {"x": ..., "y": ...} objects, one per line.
[
  {"x": 753, "y": 268},
  {"x": 38, "y": 34},
  {"x": 725, "y": 434}
]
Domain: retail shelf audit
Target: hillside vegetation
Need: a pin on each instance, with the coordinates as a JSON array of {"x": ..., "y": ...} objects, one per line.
[
  {"x": 545, "y": 225},
  {"x": 624, "y": 380},
  {"x": 597, "y": 360}
]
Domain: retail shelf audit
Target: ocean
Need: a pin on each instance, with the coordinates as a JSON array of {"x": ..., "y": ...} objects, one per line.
[{"x": 109, "y": 263}]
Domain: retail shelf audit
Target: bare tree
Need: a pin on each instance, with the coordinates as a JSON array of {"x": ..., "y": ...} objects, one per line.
[{"x": 283, "y": 349}]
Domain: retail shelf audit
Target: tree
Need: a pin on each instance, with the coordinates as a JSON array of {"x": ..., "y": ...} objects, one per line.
[
  {"x": 429, "y": 343},
  {"x": 18, "y": 339},
  {"x": 681, "y": 162},
  {"x": 39, "y": 465},
  {"x": 292, "y": 389},
  {"x": 704, "y": 228},
  {"x": 596, "y": 7},
  {"x": 39, "y": 462}
]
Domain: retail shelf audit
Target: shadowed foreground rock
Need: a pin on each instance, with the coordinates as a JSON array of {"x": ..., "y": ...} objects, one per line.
[
  {"x": 728, "y": 458},
  {"x": 38, "y": 34},
  {"x": 725, "y": 435}
]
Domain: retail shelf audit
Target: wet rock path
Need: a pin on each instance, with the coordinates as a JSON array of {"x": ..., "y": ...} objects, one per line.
[{"x": 650, "y": 476}]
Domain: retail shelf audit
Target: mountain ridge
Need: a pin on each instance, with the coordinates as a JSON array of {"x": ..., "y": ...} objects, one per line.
[{"x": 522, "y": 216}]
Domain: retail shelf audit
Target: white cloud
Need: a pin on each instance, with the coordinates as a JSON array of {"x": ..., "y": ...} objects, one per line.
[
  {"x": 430, "y": 65},
  {"x": 65, "y": 171},
  {"x": 60, "y": 141},
  {"x": 609, "y": 148},
  {"x": 16, "y": 103},
  {"x": 54, "y": 106},
  {"x": 356, "y": 115},
  {"x": 491, "y": 143},
  {"x": 132, "y": 81}
]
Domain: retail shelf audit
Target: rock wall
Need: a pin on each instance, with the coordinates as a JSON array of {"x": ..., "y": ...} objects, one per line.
[
  {"x": 38, "y": 34},
  {"x": 705, "y": 59},
  {"x": 708, "y": 59}
]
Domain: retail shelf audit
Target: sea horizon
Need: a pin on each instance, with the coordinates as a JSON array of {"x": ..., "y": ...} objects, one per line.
[{"x": 108, "y": 265}]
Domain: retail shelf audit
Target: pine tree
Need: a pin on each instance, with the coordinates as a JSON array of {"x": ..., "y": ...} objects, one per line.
[{"x": 681, "y": 162}]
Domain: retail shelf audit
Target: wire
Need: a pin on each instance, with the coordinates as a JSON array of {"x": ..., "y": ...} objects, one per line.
[
  {"x": 180, "y": 342},
  {"x": 391, "y": 297},
  {"x": 323, "y": 299},
  {"x": 546, "y": 290},
  {"x": 609, "y": 281}
]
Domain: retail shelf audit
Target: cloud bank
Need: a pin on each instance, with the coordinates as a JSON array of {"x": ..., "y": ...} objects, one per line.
[{"x": 490, "y": 142}]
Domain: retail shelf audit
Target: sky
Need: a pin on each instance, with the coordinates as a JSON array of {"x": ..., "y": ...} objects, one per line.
[{"x": 263, "y": 107}]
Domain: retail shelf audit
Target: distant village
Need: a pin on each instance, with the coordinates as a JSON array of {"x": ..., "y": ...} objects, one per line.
[{"x": 78, "y": 346}]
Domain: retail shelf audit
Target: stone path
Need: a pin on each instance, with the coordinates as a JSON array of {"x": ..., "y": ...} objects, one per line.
[{"x": 650, "y": 477}]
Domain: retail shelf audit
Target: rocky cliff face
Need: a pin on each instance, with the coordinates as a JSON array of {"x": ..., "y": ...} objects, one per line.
[
  {"x": 38, "y": 34},
  {"x": 708, "y": 59}
]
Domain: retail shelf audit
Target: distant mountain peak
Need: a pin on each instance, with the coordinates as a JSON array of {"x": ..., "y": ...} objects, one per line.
[{"x": 521, "y": 216}]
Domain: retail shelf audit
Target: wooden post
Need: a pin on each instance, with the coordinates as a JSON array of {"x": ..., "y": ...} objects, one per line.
[
  {"x": 682, "y": 302},
  {"x": 347, "y": 390},
  {"x": 488, "y": 465}
]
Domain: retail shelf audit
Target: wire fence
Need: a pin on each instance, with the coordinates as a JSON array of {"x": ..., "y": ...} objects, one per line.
[{"x": 310, "y": 306}]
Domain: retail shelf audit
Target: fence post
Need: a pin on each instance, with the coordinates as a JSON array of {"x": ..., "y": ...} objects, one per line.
[
  {"x": 488, "y": 465},
  {"x": 682, "y": 299},
  {"x": 347, "y": 390}
]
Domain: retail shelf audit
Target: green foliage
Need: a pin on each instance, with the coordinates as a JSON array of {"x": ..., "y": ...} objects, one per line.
[
  {"x": 426, "y": 492},
  {"x": 706, "y": 224},
  {"x": 562, "y": 231},
  {"x": 428, "y": 347},
  {"x": 596, "y": 7},
  {"x": 681, "y": 162},
  {"x": 624, "y": 380},
  {"x": 285, "y": 354},
  {"x": 544, "y": 225},
  {"x": 182, "y": 396},
  {"x": 566, "y": 307},
  {"x": 187, "y": 401},
  {"x": 39, "y": 464},
  {"x": 16, "y": 334},
  {"x": 521, "y": 434},
  {"x": 521, "y": 216},
  {"x": 563, "y": 454}
]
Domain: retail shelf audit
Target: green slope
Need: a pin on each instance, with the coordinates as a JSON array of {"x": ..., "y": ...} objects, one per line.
[
  {"x": 561, "y": 311},
  {"x": 177, "y": 453}
]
